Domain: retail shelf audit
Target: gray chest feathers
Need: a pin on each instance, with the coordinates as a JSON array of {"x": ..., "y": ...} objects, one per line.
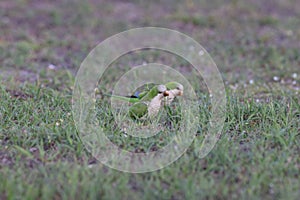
[{"x": 154, "y": 105}]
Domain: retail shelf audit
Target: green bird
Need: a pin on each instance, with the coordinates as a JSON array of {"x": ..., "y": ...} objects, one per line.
[
  {"x": 149, "y": 105},
  {"x": 175, "y": 89}
]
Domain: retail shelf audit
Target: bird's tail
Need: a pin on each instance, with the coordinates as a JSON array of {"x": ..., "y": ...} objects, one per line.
[{"x": 122, "y": 98}]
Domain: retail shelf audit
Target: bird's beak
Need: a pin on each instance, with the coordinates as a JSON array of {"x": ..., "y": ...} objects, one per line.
[
  {"x": 166, "y": 93},
  {"x": 180, "y": 93}
]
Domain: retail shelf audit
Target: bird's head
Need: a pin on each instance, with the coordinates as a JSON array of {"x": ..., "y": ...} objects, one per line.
[
  {"x": 162, "y": 89},
  {"x": 175, "y": 87}
]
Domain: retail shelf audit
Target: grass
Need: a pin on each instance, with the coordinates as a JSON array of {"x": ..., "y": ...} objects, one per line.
[
  {"x": 257, "y": 155},
  {"x": 42, "y": 156}
]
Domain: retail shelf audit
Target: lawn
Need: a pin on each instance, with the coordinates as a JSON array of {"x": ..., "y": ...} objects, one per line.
[{"x": 255, "y": 45}]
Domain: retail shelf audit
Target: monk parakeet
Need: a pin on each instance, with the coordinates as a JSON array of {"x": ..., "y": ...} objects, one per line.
[
  {"x": 149, "y": 104},
  {"x": 175, "y": 89}
]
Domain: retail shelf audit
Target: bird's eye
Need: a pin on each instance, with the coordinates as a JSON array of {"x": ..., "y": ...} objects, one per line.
[
  {"x": 179, "y": 87},
  {"x": 161, "y": 88}
]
